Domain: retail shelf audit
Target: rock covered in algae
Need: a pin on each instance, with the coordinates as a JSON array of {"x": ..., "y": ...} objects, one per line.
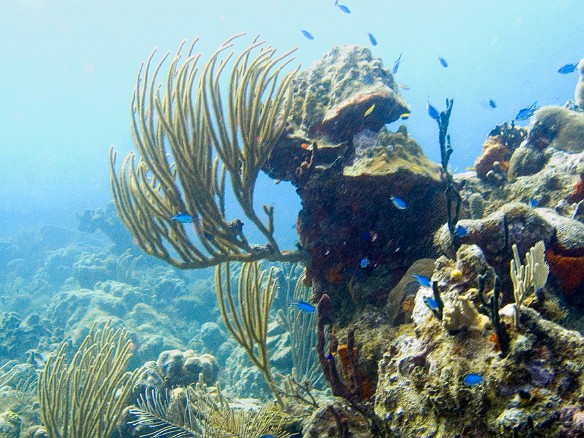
[
  {"x": 332, "y": 97},
  {"x": 579, "y": 93},
  {"x": 557, "y": 127}
]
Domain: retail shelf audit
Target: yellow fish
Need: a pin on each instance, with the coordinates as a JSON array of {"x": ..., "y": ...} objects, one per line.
[
  {"x": 369, "y": 111},
  {"x": 405, "y": 116},
  {"x": 403, "y": 86}
]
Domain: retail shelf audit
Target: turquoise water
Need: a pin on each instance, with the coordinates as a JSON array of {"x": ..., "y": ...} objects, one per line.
[{"x": 68, "y": 69}]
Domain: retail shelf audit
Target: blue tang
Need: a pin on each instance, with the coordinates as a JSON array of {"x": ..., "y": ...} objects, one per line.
[
  {"x": 473, "y": 379},
  {"x": 568, "y": 68},
  {"x": 422, "y": 280},
  {"x": 431, "y": 303},
  {"x": 399, "y": 203},
  {"x": 304, "y": 306},
  {"x": 526, "y": 113},
  {"x": 183, "y": 218}
]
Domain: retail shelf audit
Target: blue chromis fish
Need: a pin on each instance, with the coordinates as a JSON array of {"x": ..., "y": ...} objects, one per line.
[
  {"x": 344, "y": 8},
  {"x": 526, "y": 113},
  {"x": 443, "y": 61},
  {"x": 568, "y": 68},
  {"x": 183, "y": 218},
  {"x": 492, "y": 103},
  {"x": 304, "y": 306},
  {"x": 397, "y": 63},
  {"x": 432, "y": 112},
  {"x": 307, "y": 34},
  {"x": 473, "y": 379},
  {"x": 398, "y": 203},
  {"x": 533, "y": 203},
  {"x": 372, "y": 39},
  {"x": 369, "y": 110},
  {"x": 431, "y": 303},
  {"x": 422, "y": 280},
  {"x": 364, "y": 262},
  {"x": 460, "y": 231}
]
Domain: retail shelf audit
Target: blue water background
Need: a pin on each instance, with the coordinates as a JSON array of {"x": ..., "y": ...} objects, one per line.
[{"x": 67, "y": 70}]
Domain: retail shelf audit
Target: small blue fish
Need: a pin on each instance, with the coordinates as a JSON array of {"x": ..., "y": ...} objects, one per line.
[
  {"x": 526, "y": 113},
  {"x": 343, "y": 8},
  {"x": 329, "y": 356},
  {"x": 364, "y": 262},
  {"x": 432, "y": 112},
  {"x": 473, "y": 379},
  {"x": 431, "y": 303},
  {"x": 183, "y": 218},
  {"x": 443, "y": 62},
  {"x": 307, "y": 34},
  {"x": 533, "y": 203},
  {"x": 422, "y": 280},
  {"x": 304, "y": 306},
  {"x": 460, "y": 231},
  {"x": 492, "y": 103},
  {"x": 568, "y": 68},
  {"x": 398, "y": 203},
  {"x": 397, "y": 63},
  {"x": 372, "y": 39}
]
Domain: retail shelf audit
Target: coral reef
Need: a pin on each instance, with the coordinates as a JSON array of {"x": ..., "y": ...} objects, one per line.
[
  {"x": 579, "y": 93},
  {"x": 498, "y": 148},
  {"x": 557, "y": 127}
]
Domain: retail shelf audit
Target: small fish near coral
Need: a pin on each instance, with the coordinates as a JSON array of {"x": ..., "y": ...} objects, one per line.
[
  {"x": 183, "y": 218},
  {"x": 473, "y": 379},
  {"x": 369, "y": 110},
  {"x": 398, "y": 203},
  {"x": 526, "y": 113},
  {"x": 568, "y": 68},
  {"x": 460, "y": 231},
  {"x": 397, "y": 63},
  {"x": 304, "y": 306},
  {"x": 344, "y": 9},
  {"x": 364, "y": 262},
  {"x": 443, "y": 62},
  {"x": 431, "y": 303},
  {"x": 372, "y": 39},
  {"x": 307, "y": 34},
  {"x": 422, "y": 280},
  {"x": 432, "y": 112},
  {"x": 404, "y": 116}
]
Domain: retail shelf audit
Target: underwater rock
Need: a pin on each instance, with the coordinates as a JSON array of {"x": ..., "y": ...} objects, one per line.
[
  {"x": 579, "y": 93},
  {"x": 110, "y": 224},
  {"x": 498, "y": 148},
  {"x": 557, "y": 127},
  {"x": 182, "y": 368},
  {"x": 332, "y": 97},
  {"x": 10, "y": 424},
  {"x": 525, "y": 161},
  {"x": 19, "y": 337},
  {"x": 212, "y": 336}
]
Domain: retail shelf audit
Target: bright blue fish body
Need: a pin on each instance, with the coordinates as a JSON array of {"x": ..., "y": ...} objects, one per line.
[
  {"x": 432, "y": 112},
  {"x": 343, "y": 8},
  {"x": 533, "y": 203},
  {"x": 307, "y": 34},
  {"x": 431, "y": 303},
  {"x": 443, "y": 62},
  {"x": 372, "y": 39},
  {"x": 304, "y": 306},
  {"x": 364, "y": 262},
  {"x": 460, "y": 231},
  {"x": 526, "y": 113},
  {"x": 473, "y": 379},
  {"x": 423, "y": 280},
  {"x": 183, "y": 218},
  {"x": 399, "y": 203},
  {"x": 568, "y": 68}
]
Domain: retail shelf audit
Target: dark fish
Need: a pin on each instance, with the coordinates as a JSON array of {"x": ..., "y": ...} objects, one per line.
[
  {"x": 432, "y": 112},
  {"x": 397, "y": 63},
  {"x": 526, "y": 113},
  {"x": 460, "y": 231},
  {"x": 492, "y": 103},
  {"x": 304, "y": 306},
  {"x": 473, "y": 379},
  {"x": 183, "y": 218},
  {"x": 329, "y": 356},
  {"x": 422, "y": 280},
  {"x": 431, "y": 303},
  {"x": 568, "y": 68},
  {"x": 372, "y": 39},
  {"x": 343, "y": 8},
  {"x": 443, "y": 62},
  {"x": 307, "y": 34},
  {"x": 399, "y": 203}
]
